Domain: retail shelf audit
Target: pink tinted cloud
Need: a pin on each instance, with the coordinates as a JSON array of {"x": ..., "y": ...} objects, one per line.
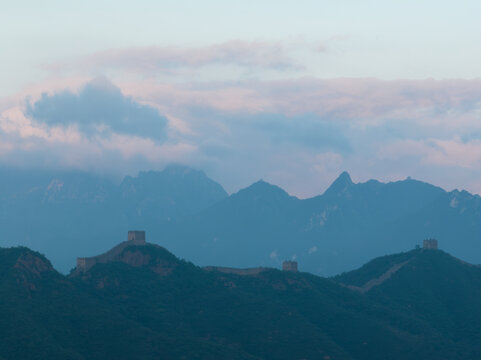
[
  {"x": 448, "y": 105},
  {"x": 438, "y": 152},
  {"x": 435, "y": 115},
  {"x": 362, "y": 98},
  {"x": 359, "y": 101},
  {"x": 167, "y": 59}
]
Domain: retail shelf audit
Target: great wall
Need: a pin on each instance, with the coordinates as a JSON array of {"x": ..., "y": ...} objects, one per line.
[
  {"x": 137, "y": 237},
  {"x": 134, "y": 237}
]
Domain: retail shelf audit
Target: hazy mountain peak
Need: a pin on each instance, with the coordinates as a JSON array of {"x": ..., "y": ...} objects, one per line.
[
  {"x": 262, "y": 182},
  {"x": 173, "y": 173},
  {"x": 344, "y": 177},
  {"x": 178, "y": 169},
  {"x": 341, "y": 184},
  {"x": 173, "y": 170},
  {"x": 170, "y": 177},
  {"x": 262, "y": 188},
  {"x": 171, "y": 193}
]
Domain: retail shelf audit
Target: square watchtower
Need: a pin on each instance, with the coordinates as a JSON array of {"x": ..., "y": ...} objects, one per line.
[
  {"x": 136, "y": 236},
  {"x": 430, "y": 244},
  {"x": 289, "y": 266}
]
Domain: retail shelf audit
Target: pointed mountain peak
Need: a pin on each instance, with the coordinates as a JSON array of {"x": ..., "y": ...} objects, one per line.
[
  {"x": 341, "y": 184},
  {"x": 174, "y": 179},
  {"x": 344, "y": 178},
  {"x": 264, "y": 186},
  {"x": 263, "y": 189},
  {"x": 262, "y": 183}
]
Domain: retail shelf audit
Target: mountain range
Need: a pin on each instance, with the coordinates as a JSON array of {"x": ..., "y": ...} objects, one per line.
[
  {"x": 70, "y": 214},
  {"x": 146, "y": 303}
]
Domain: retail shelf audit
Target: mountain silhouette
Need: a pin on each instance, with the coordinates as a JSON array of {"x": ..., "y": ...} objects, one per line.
[
  {"x": 336, "y": 231},
  {"x": 69, "y": 214}
]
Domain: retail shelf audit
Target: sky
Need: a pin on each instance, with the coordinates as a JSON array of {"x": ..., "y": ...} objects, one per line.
[{"x": 293, "y": 92}]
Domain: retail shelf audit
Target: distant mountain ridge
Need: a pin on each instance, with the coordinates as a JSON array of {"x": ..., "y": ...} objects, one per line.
[
  {"x": 350, "y": 223},
  {"x": 65, "y": 215}
]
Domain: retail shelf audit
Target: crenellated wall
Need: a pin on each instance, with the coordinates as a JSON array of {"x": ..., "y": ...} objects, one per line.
[
  {"x": 134, "y": 238},
  {"x": 229, "y": 270}
]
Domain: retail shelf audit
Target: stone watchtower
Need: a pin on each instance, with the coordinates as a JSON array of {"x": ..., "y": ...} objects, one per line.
[
  {"x": 137, "y": 237},
  {"x": 289, "y": 266},
  {"x": 430, "y": 244}
]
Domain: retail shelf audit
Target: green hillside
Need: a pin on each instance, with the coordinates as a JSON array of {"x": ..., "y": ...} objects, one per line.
[
  {"x": 432, "y": 286},
  {"x": 149, "y": 304}
]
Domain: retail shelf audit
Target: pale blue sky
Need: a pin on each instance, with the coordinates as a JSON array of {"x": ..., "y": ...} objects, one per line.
[{"x": 383, "y": 39}]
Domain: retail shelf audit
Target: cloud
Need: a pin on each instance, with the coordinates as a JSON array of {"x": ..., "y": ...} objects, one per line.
[
  {"x": 274, "y": 255},
  {"x": 27, "y": 146},
  {"x": 308, "y": 130},
  {"x": 168, "y": 59},
  {"x": 93, "y": 127},
  {"x": 271, "y": 129},
  {"x": 442, "y": 153},
  {"x": 98, "y": 108},
  {"x": 297, "y": 133},
  {"x": 364, "y": 101}
]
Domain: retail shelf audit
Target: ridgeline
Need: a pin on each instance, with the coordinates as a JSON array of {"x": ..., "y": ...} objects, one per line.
[{"x": 143, "y": 302}]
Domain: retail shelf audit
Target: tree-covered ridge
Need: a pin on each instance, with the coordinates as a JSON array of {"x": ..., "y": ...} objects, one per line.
[
  {"x": 149, "y": 304},
  {"x": 374, "y": 268}
]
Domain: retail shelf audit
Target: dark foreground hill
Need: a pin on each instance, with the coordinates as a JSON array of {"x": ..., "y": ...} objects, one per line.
[
  {"x": 443, "y": 290},
  {"x": 148, "y": 304}
]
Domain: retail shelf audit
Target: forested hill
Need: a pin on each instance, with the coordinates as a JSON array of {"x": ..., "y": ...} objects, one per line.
[
  {"x": 149, "y": 304},
  {"x": 443, "y": 290}
]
